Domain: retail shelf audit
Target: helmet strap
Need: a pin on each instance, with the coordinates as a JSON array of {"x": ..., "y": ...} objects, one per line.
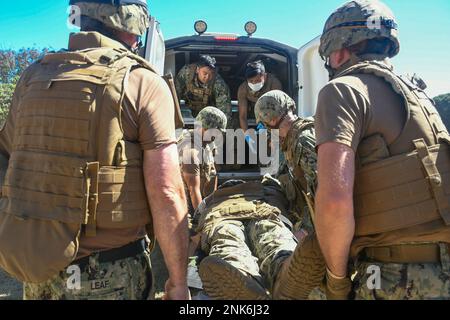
[{"x": 331, "y": 71}]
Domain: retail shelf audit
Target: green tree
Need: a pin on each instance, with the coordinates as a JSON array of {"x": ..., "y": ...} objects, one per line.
[
  {"x": 12, "y": 64},
  {"x": 6, "y": 93},
  {"x": 443, "y": 106}
]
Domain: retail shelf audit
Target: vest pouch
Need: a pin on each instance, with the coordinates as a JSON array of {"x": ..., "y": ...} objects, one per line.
[
  {"x": 54, "y": 247},
  {"x": 243, "y": 208},
  {"x": 43, "y": 206},
  {"x": 122, "y": 201}
]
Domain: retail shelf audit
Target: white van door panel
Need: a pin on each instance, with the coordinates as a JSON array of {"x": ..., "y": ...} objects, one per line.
[
  {"x": 155, "y": 50},
  {"x": 312, "y": 77}
]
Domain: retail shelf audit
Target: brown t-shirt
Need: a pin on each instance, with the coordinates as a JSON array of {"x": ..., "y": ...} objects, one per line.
[
  {"x": 247, "y": 98},
  {"x": 194, "y": 163},
  {"x": 351, "y": 108},
  {"x": 148, "y": 119}
]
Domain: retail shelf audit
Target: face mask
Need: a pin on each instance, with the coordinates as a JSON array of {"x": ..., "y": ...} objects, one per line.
[{"x": 256, "y": 87}]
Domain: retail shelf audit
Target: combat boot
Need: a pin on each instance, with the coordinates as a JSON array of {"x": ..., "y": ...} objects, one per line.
[
  {"x": 303, "y": 271},
  {"x": 222, "y": 281}
]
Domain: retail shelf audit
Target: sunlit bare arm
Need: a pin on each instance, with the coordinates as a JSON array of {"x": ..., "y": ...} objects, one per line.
[
  {"x": 168, "y": 205},
  {"x": 335, "y": 222}
]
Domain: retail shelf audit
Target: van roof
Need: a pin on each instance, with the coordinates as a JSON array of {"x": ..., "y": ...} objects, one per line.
[{"x": 221, "y": 40}]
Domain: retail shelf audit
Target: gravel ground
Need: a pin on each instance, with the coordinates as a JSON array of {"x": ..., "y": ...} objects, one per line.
[{"x": 9, "y": 289}]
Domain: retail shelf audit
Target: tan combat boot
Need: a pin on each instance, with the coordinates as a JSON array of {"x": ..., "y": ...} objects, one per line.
[
  {"x": 222, "y": 281},
  {"x": 303, "y": 271}
]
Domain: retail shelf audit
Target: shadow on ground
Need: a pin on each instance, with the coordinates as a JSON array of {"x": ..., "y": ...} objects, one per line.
[{"x": 10, "y": 289}]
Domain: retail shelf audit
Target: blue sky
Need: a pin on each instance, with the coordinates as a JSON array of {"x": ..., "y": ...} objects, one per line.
[{"x": 424, "y": 26}]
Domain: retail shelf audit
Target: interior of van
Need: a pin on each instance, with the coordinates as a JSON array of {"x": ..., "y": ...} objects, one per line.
[{"x": 231, "y": 62}]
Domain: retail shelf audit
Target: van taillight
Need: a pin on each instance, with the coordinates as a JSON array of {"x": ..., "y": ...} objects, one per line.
[{"x": 225, "y": 38}]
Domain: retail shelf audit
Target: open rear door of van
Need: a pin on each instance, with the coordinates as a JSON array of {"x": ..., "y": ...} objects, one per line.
[
  {"x": 155, "y": 49},
  {"x": 312, "y": 77}
]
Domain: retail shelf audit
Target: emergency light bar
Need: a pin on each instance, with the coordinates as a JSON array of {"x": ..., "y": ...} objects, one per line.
[{"x": 226, "y": 37}]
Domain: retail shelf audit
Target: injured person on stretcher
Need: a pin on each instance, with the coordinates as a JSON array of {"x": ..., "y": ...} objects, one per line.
[{"x": 252, "y": 254}]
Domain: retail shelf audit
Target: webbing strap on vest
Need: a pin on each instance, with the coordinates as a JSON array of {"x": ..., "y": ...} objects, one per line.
[
  {"x": 92, "y": 172},
  {"x": 179, "y": 122},
  {"x": 409, "y": 253},
  {"x": 310, "y": 202},
  {"x": 434, "y": 179}
]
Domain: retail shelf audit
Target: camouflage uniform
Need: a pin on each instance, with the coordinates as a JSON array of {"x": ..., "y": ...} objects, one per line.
[
  {"x": 126, "y": 279},
  {"x": 220, "y": 92},
  {"x": 299, "y": 152},
  {"x": 405, "y": 281},
  {"x": 301, "y": 160},
  {"x": 254, "y": 242},
  {"x": 204, "y": 162}
]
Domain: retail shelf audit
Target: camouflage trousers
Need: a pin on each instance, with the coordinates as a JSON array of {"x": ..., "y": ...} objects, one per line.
[
  {"x": 125, "y": 279},
  {"x": 429, "y": 281},
  {"x": 256, "y": 247}
]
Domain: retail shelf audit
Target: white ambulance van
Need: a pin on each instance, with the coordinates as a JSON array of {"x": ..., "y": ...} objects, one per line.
[{"x": 300, "y": 70}]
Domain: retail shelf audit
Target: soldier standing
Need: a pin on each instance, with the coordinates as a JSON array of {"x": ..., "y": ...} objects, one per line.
[
  {"x": 93, "y": 169},
  {"x": 382, "y": 196},
  {"x": 200, "y": 85}
]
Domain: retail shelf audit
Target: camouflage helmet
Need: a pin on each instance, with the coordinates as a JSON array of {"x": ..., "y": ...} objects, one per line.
[
  {"x": 357, "y": 21},
  {"x": 130, "y": 16},
  {"x": 212, "y": 118},
  {"x": 272, "y": 105}
]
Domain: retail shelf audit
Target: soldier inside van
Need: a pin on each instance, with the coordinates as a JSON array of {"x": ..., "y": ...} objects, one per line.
[
  {"x": 200, "y": 85},
  {"x": 252, "y": 253},
  {"x": 257, "y": 83}
]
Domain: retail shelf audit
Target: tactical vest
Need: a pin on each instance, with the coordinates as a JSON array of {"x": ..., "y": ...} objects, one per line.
[
  {"x": 70, "y": 164},
  {"x": 197, "y": 97},
  {"x": 394, "y": 192},
  {"x": 251, "y": 200}
]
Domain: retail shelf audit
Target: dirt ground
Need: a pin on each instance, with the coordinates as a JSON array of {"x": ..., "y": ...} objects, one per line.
[{"x": 9, "y": 289}]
